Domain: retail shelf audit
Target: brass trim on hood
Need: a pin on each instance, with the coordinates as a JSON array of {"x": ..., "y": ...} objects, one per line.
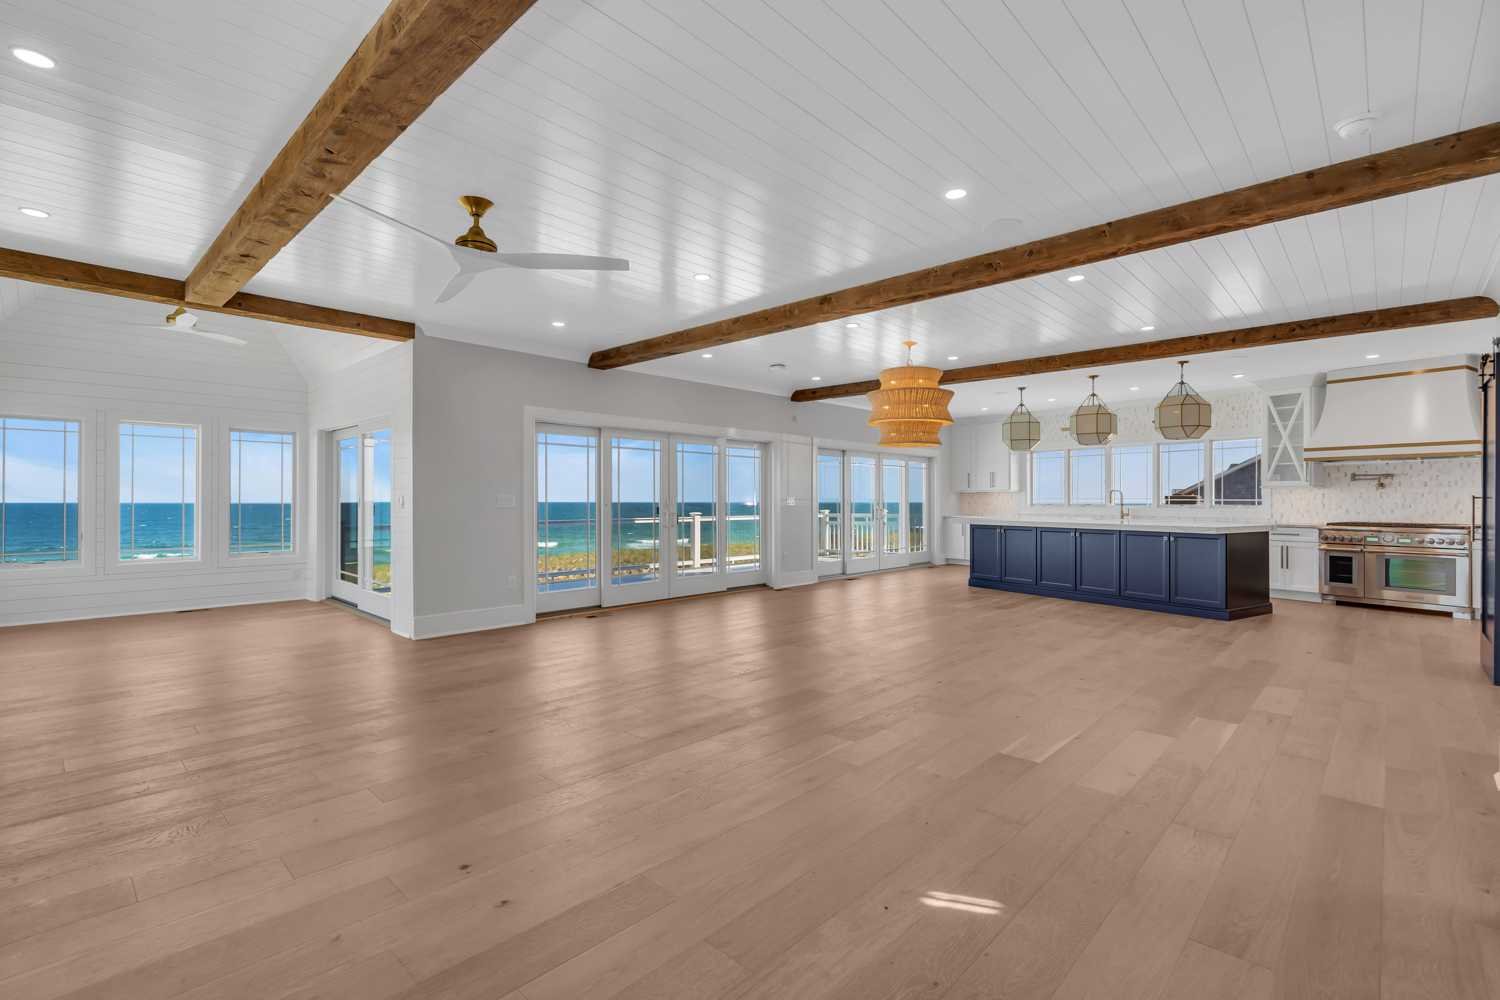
[
  {"x": 1414, "y": 371},
  {"x": 1399, "y": 444}
]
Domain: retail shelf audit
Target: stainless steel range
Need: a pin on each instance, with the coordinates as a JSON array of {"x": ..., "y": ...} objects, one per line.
[{"x": 1423, "y": 566}]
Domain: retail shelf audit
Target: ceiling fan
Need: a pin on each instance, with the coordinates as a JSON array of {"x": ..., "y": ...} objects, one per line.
[
  {"x": 474, "y": 252},
  {"x": 182, "y": 321}
]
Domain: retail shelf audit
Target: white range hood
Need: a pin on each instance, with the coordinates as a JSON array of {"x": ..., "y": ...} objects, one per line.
[{"x": 1408, "y": 410}]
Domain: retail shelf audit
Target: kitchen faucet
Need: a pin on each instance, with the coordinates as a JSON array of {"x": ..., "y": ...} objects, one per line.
[{"x": 1124, "y": 514}]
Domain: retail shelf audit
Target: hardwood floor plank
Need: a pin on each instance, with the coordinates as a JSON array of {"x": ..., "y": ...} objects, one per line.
[{"x": 821, "y": 806}]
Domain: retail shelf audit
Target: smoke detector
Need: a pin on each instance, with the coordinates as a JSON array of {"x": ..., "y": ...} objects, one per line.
[{"x": 1355, "y": 126}]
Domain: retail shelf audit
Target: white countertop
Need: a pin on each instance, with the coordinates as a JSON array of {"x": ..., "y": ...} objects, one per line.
[{"x": 1114, "y": 524}]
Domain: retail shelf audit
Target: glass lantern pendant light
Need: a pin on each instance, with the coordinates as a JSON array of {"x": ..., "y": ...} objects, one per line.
[
  {"x": 1093, "y": 423},
  {"x": 909, "y": 407},
  {"x": 1182, "y": 414},
  {"x": 1021, "y": 431}
]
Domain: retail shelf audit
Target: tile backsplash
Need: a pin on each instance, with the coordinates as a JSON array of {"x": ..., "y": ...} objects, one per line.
[{"x": 1436, "y": 491}]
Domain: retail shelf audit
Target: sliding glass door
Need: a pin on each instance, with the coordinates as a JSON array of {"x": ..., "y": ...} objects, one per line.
[
  {"x": 893, "y": 512},
  {"x": 361, "y": 516},
  {"x": 744, "y": 473},
  {"x": 862, "y": 536},
  {"x": 697, "y": 515},
  {"x": 916, "y": 511}
]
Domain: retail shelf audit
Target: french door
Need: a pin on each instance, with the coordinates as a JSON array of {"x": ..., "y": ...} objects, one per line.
[
  {"x": 361, "y": 517},
  {"x": 871, "y": 512},
  {"x": 625, "y": 516}
]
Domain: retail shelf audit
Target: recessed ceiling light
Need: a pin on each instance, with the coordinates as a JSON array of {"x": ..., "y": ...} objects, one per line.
[
  {"x": 36, "y": 213},
  {"x": 1238, "y": 375},
  {"x": 851, "y": 326},
  {"x": 1075, "y": 277},
  {"x": 31, "y": 57},
  {"x": 558, "y": 323},
  {"x": 1147, "y": 329},
  {"x": 1135, "y": 388},
  {"x": 953, "y": 194},
  {"x": 1355, "y": 126},
  {"x": 953, "y": 357},
  {"x": 984, "y": 409},
  {"x": 701, "y": 276},
  {"x": 1051, "y": 399},
  {"x": 817, "y": 378},
  {"x": 705, "y": 355},
  {"x": 1371, "y": 357}
]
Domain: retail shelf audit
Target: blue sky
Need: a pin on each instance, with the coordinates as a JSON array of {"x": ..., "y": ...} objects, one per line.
[
  {"x": 34, "y": 467},
  {"x": 565, "y": 472}
]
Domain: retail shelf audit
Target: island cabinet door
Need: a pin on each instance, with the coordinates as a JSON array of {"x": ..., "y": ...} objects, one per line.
[
  {"x": 1198, "y": 570},
  {"x": 1019, "y": 556},
  {"x": 1099, "y": 562},
  {"x": 1057, "y": 564},
  {"x": 984, "y": 552},
  {"x": 1144, "y": 565}
]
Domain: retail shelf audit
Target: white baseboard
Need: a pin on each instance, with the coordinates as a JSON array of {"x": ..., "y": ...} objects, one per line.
[
  {"x": 1297, "y": 595},
  {"x": 800, "y": 579},
  {"x": 127, "y": 611},
  {"x": 472, "y": 620}
]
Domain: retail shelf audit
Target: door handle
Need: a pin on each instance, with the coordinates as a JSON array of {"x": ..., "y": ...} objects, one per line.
[{"x": 992, "y": 480}]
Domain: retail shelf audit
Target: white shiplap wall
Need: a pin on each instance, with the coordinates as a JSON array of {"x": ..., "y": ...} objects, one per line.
[{"x": 69, "y": 354}]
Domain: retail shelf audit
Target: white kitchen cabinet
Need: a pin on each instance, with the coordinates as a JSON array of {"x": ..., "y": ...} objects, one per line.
[
  {"x": 1294, "y": 563},
  {"x": 979, "y": 461},
  {"x": 1292, "y": 407},
  {"x": 955, "y": 539}
]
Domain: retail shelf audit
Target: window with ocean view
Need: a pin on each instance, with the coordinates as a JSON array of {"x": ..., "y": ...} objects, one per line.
[
  {"x": 261, "y": 491},
  {"x": 38, "y": 490},
  {"x": 743, "y": 474},
  {"x": 158, "y": 491},
  {"x": 567, "y": 510}
]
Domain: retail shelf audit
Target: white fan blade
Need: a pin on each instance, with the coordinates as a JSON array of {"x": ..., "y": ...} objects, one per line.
[
  {"x": 391, "y": 221},
  {"x": 457, "y": 284},
  {"x": 563, "y": 262},
  {"x": 211, "y": 335}
]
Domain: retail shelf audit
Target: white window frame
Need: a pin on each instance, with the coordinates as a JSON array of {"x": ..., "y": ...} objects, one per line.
[
  {"x": 226, "y": 499},
  {"x": 84, "y": 564},
  {"x": 1215, "y": 500},
  {"x": 1103, "y": 452},
  {"x": 1206, "y": 446},
  {"x": 1150, "y": 451},
  {"x": 205, "y": 526},
  {"x": 1031, "y": 479}
]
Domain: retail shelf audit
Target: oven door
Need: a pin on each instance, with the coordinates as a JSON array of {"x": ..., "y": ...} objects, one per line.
[
  {"x": 1343, "y": 571},
  {"x": 1417, "y": 577}
]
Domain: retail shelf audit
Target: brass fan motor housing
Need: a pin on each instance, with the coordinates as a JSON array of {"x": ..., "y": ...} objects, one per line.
[{"x": 475, "y": 238}]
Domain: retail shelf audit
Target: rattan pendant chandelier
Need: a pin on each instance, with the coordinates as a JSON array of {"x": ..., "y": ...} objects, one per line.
[
  {"x": 1182, "y": 414},
  {"x": 1021, "y": 431},
  {"x": 909, "y": 407},
  {"x": 1093, "y": 423}
]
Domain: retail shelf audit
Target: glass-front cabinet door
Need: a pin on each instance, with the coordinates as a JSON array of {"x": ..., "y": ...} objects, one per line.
[{"x": 361, "y": 518}]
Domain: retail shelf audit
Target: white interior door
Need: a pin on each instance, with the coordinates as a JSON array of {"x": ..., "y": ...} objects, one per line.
[
  {"x": 361, "y": 518},
  {"x": 892, "y": 513},
  {"x": 568, "y": 529},
  {"x": 698, "y": 518},
  {"x": 831, "y": 515},
  {"x": 862, "y": 512},
  {"x": 634, "y": 499}
]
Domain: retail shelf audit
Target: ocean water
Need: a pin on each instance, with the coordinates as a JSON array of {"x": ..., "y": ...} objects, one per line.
[{"x": 48, "y": 532}]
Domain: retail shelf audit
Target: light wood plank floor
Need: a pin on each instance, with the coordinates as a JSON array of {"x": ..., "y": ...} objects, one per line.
[{"x": 889, "y": 787}]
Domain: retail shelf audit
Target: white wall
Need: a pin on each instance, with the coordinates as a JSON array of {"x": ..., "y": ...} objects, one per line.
[
  {"x": 375, "y": 391},
  {"x": 65, "y": 354},
  {"x": 470, "y": 446}
]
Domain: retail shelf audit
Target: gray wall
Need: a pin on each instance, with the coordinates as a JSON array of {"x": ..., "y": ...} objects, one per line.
[{"x": 469, "y": 447}]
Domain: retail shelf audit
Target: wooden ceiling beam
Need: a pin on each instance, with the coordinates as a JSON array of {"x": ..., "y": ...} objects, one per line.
[
  {"x": 1342, "y": 325},
  {"x": 1456, "y": 157},
  {"x": 413, "y": 53},
  {"x": 63, "y": 273}
]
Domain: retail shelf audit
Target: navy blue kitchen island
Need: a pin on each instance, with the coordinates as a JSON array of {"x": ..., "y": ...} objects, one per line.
[{"x": 1205, "y": 571}]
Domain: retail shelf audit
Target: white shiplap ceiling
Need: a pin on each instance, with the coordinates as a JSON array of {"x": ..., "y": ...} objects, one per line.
[{"x": 783, "y": 147}]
